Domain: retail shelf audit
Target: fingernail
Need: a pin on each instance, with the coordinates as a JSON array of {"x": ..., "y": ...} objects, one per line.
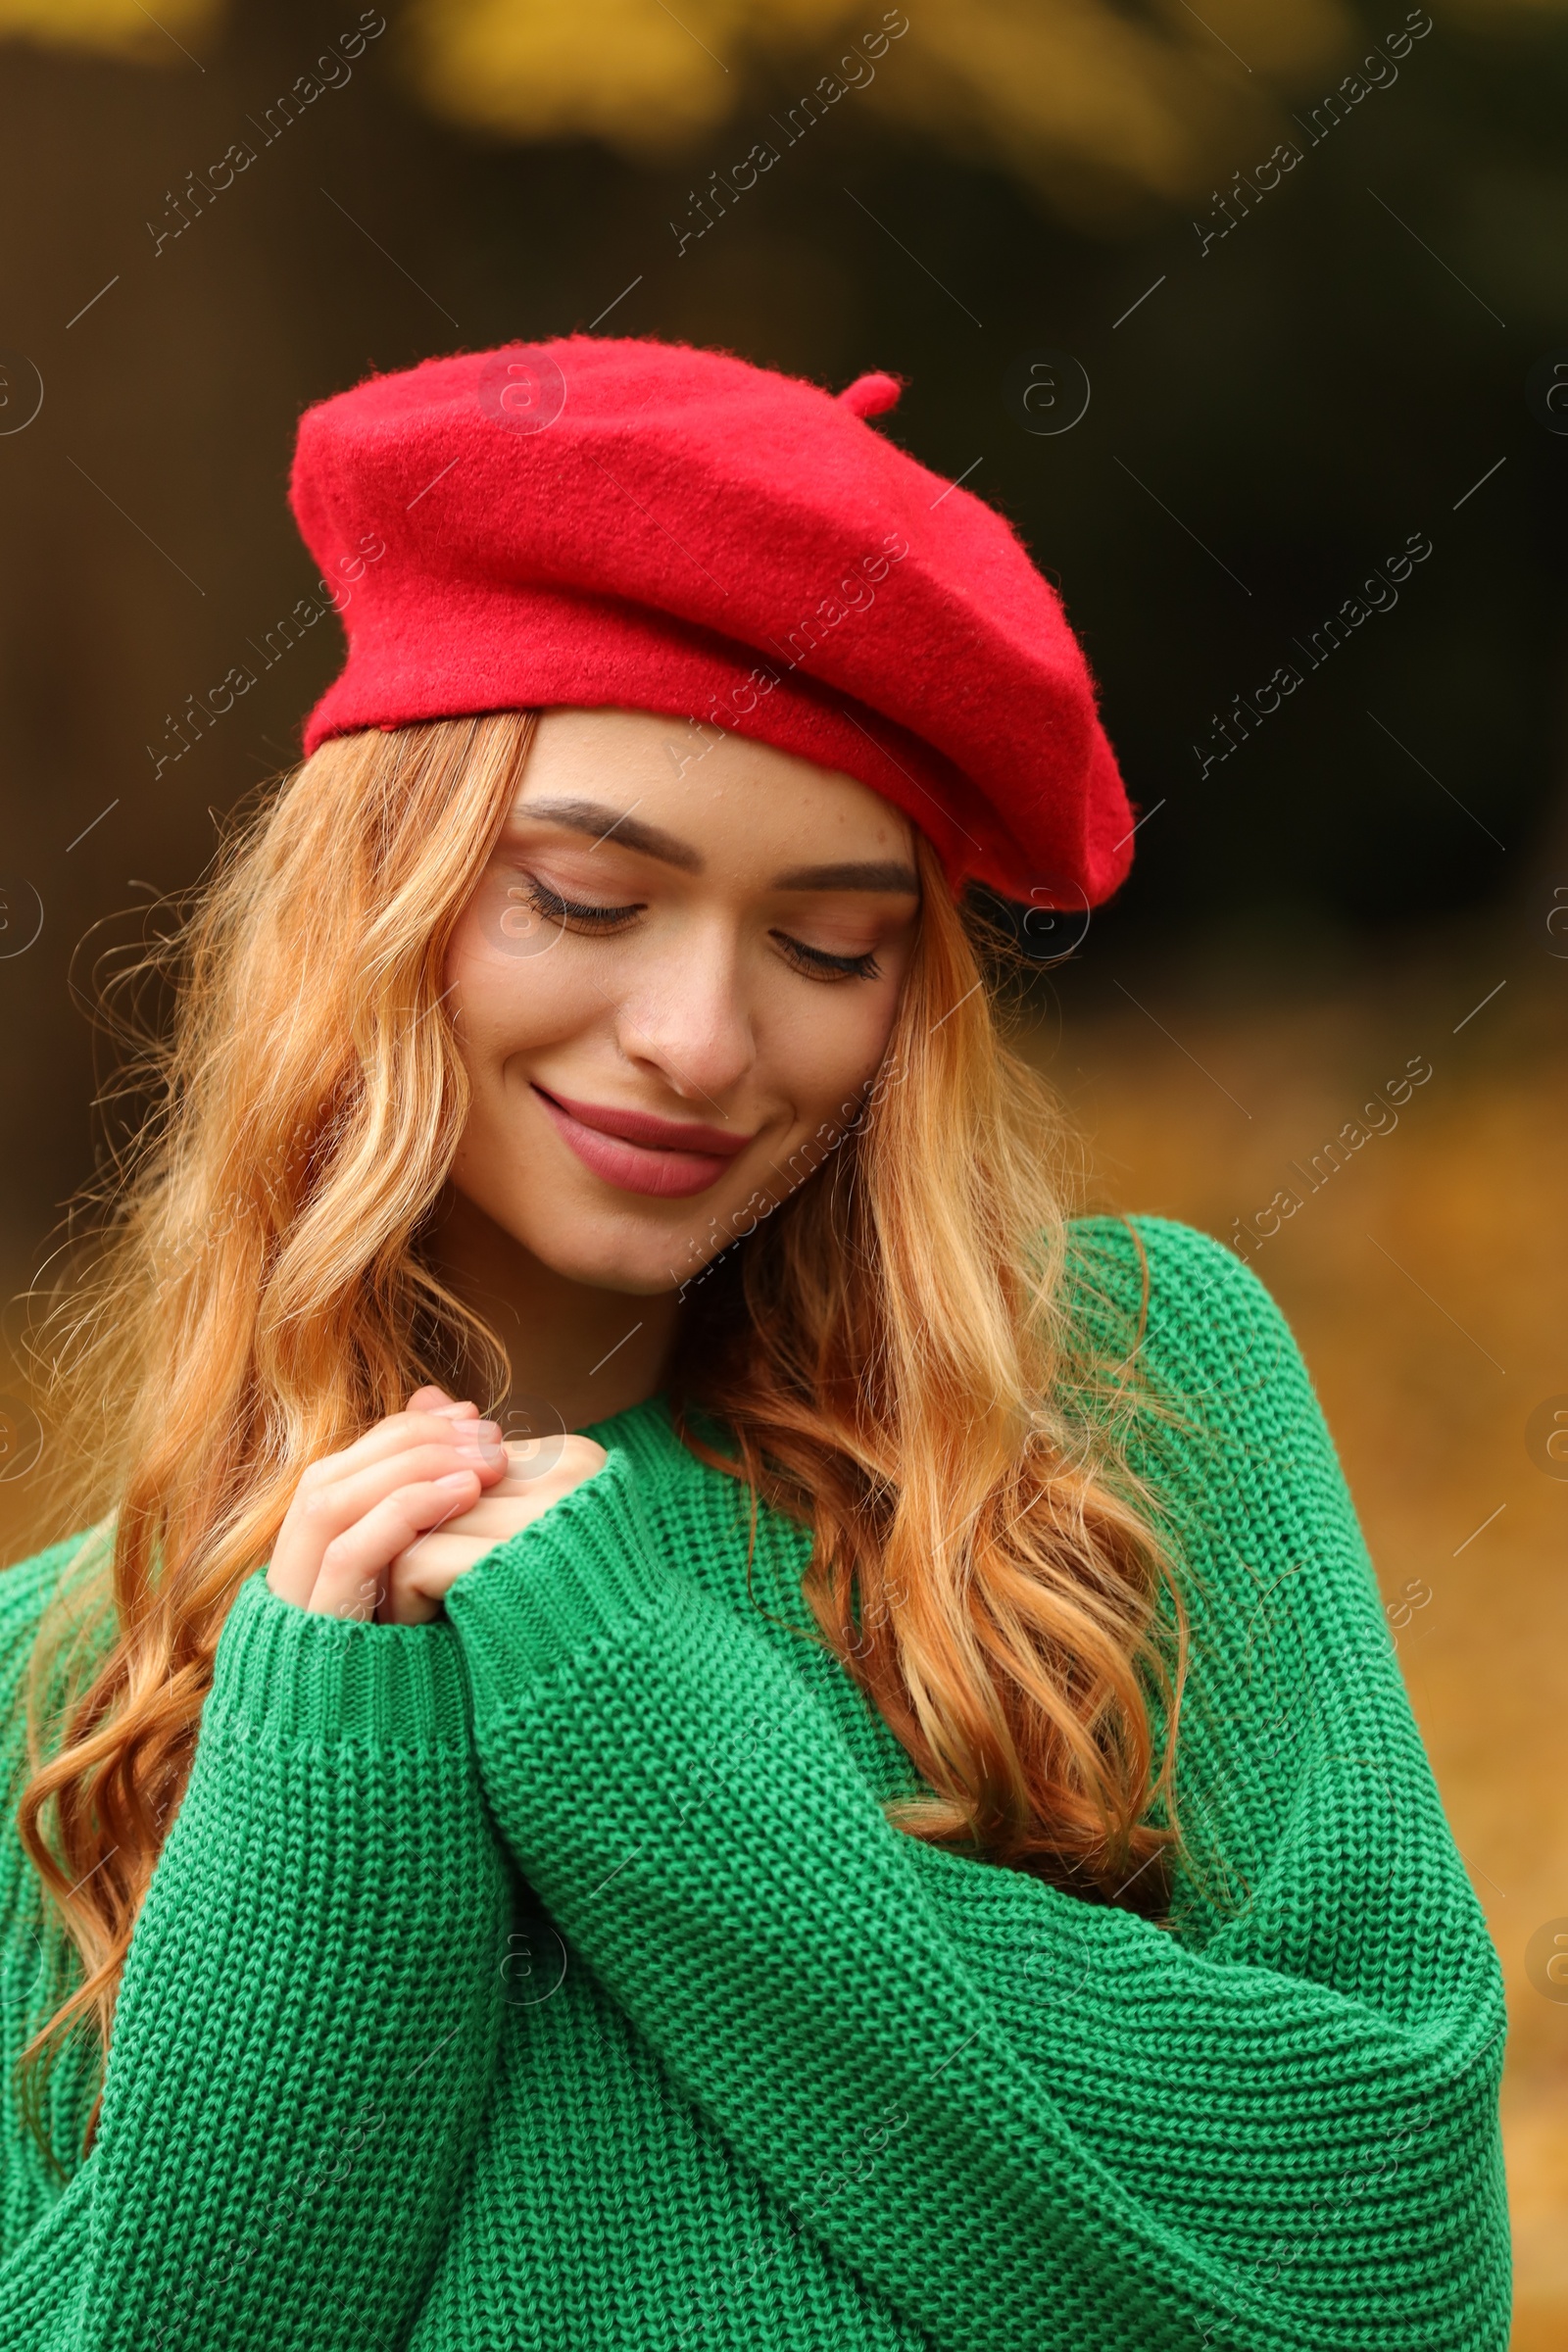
[
  {"x": 489, "y": 1431},
  {"x": 455, "y": 1479}
]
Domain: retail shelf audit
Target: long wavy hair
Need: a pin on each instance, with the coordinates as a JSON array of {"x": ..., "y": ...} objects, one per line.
[{"x": 889, "y": 1358}]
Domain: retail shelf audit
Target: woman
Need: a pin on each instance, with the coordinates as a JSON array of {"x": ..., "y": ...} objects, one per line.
[{"x": 690, "y": 1717}]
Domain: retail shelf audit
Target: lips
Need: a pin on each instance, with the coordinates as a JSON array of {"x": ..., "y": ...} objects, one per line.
[{"x": 637, "y": 1152}]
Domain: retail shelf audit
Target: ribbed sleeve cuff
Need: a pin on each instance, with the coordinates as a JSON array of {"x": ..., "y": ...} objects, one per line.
[
  {"x": 589, "y": 1569},
  {"x": 291, "y": 1677}
]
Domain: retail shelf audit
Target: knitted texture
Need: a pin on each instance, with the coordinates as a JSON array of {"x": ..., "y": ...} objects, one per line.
[{"x": 550, "y": 1976}]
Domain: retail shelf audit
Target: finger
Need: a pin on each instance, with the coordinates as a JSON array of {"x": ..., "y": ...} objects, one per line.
[
  {"x": 355, "y": 1564},
  {"x": 535, "y": 1491},
  {"x": 397, "y": 1434},
  {"x": 567, "y": 1463},
  {"x": 419, "y": 1578},
  {"x": 320, "y": 1513},
  {"x": 434, "y": 1400},
  {"x": 498, "y": 1514},
  {"x": 334, "y": 1508}
]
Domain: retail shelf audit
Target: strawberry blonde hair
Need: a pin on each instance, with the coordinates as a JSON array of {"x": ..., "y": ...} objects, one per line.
[{"x": 887, "y": 1359}]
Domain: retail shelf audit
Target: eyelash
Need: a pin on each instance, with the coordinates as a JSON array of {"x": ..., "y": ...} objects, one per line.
[{"x": 814, "y": 963}]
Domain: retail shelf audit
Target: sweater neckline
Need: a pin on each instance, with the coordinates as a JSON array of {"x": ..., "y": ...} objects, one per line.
[{"x": 652, "y": 1411}]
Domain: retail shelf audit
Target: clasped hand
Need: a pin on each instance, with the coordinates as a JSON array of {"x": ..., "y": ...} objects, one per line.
[{"x": 384, "y": 1528}]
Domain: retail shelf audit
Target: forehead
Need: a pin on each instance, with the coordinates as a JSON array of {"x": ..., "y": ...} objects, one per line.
[{"x": 699, "y": 782}]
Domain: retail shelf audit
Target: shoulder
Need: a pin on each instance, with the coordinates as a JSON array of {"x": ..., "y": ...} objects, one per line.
[
  {"x": 1226, "y": 1428},
  {"x": 26, "y": 1592},
  {"x": 1206, "y": 1346},
  {"x": 1183, "y": 1299},
  {"x": 1117, "y": 1255}
]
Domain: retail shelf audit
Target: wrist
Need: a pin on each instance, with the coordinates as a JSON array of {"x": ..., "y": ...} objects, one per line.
[
  {"x": 587, "y": 1570},
  {"x": 289, "y": 1675}
]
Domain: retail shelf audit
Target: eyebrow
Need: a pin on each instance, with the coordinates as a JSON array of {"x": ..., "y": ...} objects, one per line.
[
  {"x": 593, "y": 817},
  {"x": 886, "y": 874}
]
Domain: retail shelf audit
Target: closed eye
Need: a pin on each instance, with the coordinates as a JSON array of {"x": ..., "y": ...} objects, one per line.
[
  {"x": 550, "y": 903},
  {"x": 817, "y": 965}
]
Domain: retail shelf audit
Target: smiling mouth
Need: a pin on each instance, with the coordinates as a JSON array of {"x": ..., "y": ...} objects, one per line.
[{"x": 636, "y": 1152}]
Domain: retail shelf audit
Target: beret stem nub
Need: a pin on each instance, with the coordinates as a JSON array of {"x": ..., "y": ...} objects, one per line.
[{"x": 872, "y": 394}]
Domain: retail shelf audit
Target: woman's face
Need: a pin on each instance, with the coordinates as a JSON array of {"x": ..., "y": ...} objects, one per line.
[{"x": 681, "y": 961}]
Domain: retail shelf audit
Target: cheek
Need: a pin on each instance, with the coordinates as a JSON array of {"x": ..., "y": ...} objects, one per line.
[
  {"x": 821, "y": 1056},
  {"x": 516, "y": 988}
]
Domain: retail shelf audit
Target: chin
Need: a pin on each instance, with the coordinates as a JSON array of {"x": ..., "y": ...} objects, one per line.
[
  {"x": 603, "y": 1253},
  {"x": 643, "y": 1269}
]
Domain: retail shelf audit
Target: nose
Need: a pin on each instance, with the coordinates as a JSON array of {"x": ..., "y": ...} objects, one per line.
[{"x": 686, "y": 1019}]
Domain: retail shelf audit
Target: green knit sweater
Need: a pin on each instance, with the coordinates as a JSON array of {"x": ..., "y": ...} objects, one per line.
[{"x": 548, "y": 1976}]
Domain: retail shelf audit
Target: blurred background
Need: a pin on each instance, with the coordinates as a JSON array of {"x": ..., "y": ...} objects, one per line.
[{"x": 1233, "y": 312}]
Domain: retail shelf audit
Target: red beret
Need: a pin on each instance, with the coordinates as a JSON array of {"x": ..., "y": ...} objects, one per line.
[{"x": 649, "y": 526}]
